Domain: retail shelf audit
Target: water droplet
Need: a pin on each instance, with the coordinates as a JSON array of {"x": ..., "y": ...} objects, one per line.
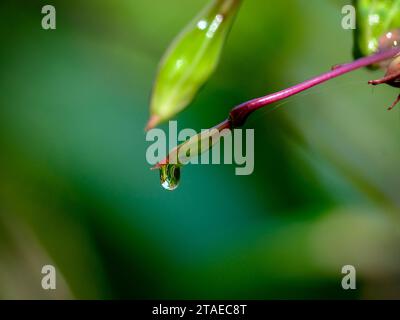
[{"x": 169, "y": 176}]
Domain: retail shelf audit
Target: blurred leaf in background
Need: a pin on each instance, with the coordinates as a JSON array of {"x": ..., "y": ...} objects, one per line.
[{"x": 74, "y": 183}]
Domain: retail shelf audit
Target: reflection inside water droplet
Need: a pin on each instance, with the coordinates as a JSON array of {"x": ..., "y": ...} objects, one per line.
[{"x": 169, "y": 176}]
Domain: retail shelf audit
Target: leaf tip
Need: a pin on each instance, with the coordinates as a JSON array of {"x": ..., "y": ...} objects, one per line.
[{"x": 153, "y": 122}]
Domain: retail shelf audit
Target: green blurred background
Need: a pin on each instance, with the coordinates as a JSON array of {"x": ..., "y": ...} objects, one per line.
[{"x": 76, "y": 191}]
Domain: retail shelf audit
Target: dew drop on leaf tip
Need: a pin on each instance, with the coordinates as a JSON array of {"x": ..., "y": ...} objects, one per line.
[{"x": 169, "y": 176}]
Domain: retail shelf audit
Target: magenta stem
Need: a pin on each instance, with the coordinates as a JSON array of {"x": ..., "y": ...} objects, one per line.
[{"x": 239, "y": 114}]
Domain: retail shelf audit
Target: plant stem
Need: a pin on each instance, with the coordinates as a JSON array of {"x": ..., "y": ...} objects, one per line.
[{"x": 239, "y": 114}]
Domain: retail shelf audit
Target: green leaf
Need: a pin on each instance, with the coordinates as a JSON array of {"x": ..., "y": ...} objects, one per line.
[
  {"x": 190, "y": 60},
  {"x": 375, "y": 18}
]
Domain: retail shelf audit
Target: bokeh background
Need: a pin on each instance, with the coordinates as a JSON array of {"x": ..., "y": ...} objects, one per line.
[{"x": 76, "y": 191}]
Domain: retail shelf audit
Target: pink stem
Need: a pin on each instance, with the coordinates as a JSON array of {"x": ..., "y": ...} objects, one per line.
[{"x": 239, "y": 114}]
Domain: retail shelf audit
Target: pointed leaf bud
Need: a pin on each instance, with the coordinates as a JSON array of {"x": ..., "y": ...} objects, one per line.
[{"x": 190, "y": 60}]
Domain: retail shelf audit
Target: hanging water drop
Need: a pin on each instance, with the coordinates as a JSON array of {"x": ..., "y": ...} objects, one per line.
[{"x": 169, "y": 176}]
